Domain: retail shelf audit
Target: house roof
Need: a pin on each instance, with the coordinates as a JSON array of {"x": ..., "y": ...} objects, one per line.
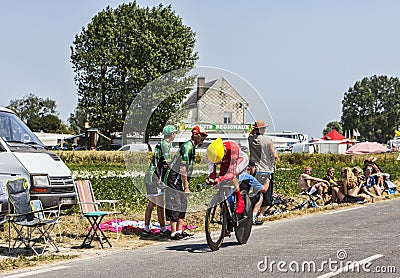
[{"x": 192, "y": 99}]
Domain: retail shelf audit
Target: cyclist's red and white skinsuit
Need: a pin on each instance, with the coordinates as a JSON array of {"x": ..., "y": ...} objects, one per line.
[{"x": 233, "y": 163}]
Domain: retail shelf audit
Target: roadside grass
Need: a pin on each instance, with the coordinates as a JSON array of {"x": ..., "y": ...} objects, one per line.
[{"x": 106, "y": 170}]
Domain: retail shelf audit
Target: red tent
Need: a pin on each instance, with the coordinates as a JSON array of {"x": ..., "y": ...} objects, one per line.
[{"x": 333, "y": 135}]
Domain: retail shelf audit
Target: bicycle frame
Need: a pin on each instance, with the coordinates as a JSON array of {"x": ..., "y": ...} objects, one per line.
[
  {"x": 310, "y": 201},
  {"x": 221, "y": 218},
  {"x": 228, "y": 207}
]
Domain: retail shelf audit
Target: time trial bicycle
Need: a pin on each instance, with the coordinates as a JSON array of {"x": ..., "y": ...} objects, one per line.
[{"x": 221, "y": 218}]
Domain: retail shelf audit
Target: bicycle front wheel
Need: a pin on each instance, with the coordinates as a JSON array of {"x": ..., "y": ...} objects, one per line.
[
  {"x": 244, "y": 221},
  {"x": 215, "y": 225}
]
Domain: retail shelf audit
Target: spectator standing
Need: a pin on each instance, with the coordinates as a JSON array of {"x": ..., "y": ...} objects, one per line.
[
  {"x": 177, "y": 179},
  {"x": 154, "y": 177},
  {"x": 262, "y": 152}
]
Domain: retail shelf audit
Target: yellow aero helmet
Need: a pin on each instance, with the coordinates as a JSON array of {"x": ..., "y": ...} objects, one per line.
[{"x": 216, "y": 151}]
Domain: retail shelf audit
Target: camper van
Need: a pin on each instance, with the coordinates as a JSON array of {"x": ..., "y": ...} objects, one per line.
[
  {"x": 22, "y": 154},
  {"x": 283, "y": 141}
]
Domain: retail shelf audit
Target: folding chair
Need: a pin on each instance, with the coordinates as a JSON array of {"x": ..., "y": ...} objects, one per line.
[
  {"x": 28, "y": 219},
  {"x": 89, "y": 208},
  {"x": 3, "y": 205},
  {"x": 3, "y": 215}
]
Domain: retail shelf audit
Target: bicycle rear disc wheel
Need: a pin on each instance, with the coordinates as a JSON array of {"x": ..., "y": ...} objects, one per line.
[
  {"x": 215, "y": 225},
  {"x": 245, "y": 221}
]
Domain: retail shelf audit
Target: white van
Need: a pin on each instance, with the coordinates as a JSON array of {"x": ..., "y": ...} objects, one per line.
[
  {"x": 22, "y": 154},
  {"x": 303, "y": 147},
  {"x": 136, "y": 147}
]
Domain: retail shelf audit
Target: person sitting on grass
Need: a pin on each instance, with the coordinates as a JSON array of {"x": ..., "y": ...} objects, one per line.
[
  {"x": 376, "y": 172},
  {"x": 311, "y": 184},
  {"x": 369, "y": 183},
  {"x": 330, "y": 177},
  {"x": 247, "y": 181},
  {"x": 348, "y": 190}
]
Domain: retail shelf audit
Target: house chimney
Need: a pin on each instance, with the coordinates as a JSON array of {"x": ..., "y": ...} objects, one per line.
[{"x": 201, "y": 86}]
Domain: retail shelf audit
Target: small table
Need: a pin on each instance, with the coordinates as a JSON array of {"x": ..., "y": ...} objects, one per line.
[{"x": 95, "y": 219}]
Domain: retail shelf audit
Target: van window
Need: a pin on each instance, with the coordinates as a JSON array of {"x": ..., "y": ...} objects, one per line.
[{"x": 13, "y": 129}]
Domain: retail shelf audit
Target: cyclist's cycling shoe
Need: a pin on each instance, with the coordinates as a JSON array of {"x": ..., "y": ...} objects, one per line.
[
  {"x": 227, "y": 233},
  {"x": 240, "y": 203}
]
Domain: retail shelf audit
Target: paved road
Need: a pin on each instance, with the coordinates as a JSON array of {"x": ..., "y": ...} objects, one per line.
[{"x": 330, "y": 240}]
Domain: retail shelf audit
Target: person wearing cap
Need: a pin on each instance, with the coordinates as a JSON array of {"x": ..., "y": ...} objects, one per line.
[
  {"x": 262, "y": 151},
  {"x": 248, "y": 181},
  {"x": 311, "y": 184},
  {"x": 154, "y": 181},
  {"x": 177, "y": 181},
  {"x": 232, "y": 160}
]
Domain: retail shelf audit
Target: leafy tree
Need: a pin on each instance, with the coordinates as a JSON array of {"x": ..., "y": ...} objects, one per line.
[
  {"x": 333, "y": 125},
  {"x": 31, "y": 106},
  {"x": 119, "y": 52},
  {"x": 77, "y": 120},
  {"x": 48, "y": 123},
  {"x": 39, "y": 114},
  {"x": 372, "y": 106}
]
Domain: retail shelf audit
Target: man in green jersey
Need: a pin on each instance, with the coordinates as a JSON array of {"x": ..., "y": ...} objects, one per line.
[
  {"x": 154, "y": 181},
  {"x": 177, "y": 180}
]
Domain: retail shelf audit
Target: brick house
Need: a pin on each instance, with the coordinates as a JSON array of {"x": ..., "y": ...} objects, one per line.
[{"x": 215, "y": 102}]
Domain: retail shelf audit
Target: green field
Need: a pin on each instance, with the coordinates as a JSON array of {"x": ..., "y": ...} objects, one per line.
[{"x": 112, "y": 178}]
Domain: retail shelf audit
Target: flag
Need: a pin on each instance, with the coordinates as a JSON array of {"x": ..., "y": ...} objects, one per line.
[{"x": 356, "y": 133}]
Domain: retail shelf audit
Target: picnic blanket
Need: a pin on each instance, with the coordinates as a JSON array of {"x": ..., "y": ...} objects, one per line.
[{"x": 133, "y": 226}]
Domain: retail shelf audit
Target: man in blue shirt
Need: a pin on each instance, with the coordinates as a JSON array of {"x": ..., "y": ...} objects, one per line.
[{"x": 248, "y": 181}]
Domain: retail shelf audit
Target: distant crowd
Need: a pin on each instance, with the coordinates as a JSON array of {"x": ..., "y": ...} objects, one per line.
[{"x": 355, "y": 185}]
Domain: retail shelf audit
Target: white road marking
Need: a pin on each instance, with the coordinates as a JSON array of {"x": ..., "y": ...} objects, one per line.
[
  {"x": 343, "y": 210},
  {"x": 346, "y": 268},
  {"x": 36, "y": 271}
]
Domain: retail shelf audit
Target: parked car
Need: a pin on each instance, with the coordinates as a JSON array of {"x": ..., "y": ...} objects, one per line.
[
  {"x": 138, "y": 147},
  {"x": 113, "y": 147},
  {"x": 80, "y": 148},
  {"x": 53, "y": 148}
]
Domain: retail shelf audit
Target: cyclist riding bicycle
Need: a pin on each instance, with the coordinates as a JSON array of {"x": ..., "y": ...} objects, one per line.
[{"x": 232, "y": 161}]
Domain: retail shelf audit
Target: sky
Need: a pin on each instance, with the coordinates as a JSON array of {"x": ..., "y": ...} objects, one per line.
[{"x": 300, "y": 56}]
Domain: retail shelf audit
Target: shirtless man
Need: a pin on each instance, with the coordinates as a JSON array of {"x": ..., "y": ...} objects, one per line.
[{"x": 311, "y": 184}]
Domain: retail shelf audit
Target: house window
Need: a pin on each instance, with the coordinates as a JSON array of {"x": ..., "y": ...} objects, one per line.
[{"x": 227, "y": 117}]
